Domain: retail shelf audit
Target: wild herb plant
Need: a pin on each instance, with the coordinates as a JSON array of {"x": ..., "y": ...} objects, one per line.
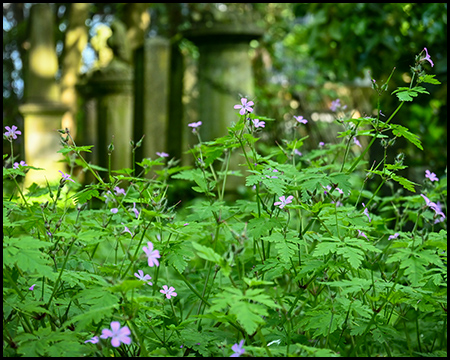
[{"x": 310, "y": 262}]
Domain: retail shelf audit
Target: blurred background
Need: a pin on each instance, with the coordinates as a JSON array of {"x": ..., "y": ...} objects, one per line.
[{"x": 113, "y": 72}]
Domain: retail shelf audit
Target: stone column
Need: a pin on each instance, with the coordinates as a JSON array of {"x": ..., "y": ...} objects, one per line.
[
  {"x": 152, "y": 94},
  {"x": 224, "y": 75},
  {"x": 112, "y": 89},
  {"x": 42, "y": 109}
]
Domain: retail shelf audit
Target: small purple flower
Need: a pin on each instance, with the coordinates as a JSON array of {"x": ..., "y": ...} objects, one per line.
[
  {"x": 185, "y": 224},
  {"x": 153, "y": 255},
  {"x": 93, "y": 340},
  {"x": 32, "y": 287},
  {"x": 427, "y": 58},
  {"x": 360, "y": 233},
  {"x": 22, "y": 163},
  {"x": 335, "y": 104},
  {"x": 140, "y": 275},
  {"x": 127, "y": 230},
  {"x": 300, "y": 119},
  {"x": 431, "y": 175},
  {"x": 296, "y": 152},
  {"x": 437, "y": 209},
  {"x": 246, "y": 106},
  {"x": 169, "y": 292},
  {"x": 392, "y": 237},
  {"x": 356, "y": 141},
  {"x": 283, "y": 201},
  {"x": 114, "y": 210},
  {"x": 118, "y": 190},
  {"x": 12, "y": 132},
  {"x": 117, "y": 334},
  {"x": 321, "y": 144},
  {"x": 366, "y": 212},
  {"x": 65, "y": 176},
  {"x": 238, "y": 349},
  {"x": 258, "y": 123},
  {"x": 195, "y": 124},
  {"x": 136, "y": 212},
  {"x": 163, "y": 154}
]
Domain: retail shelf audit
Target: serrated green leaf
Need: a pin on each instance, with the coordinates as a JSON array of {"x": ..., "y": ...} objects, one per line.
[{"x": 399, "y": 130}]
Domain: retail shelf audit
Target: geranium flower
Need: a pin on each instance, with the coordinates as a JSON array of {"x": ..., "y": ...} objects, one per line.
[
  {"x": 283, "y": 201},
  {"x": 238, "y": 349},
  {"x": 169, "y": 292},
  {"x": 195, "y": 124},
  {"x": 163, "y": 154},
  {"x": 32, "y": 287},
  {"x": 117, "y": 334},
  {"x": 93, "y": 340},
  {"x": 12, "y": 132},
  {"x": 395, "y": 236},
  {"x": 140, "y": 275},
  {"x": 246, "y": 106},
  {"x": 65, "y": 176},
  {"x": 300, "y": 119},
  {"x": 136, "y": 212},
  {"x": 356, "y": 141},
  {"x": 360, "y": 233},
  {"x": 114, "y": 210},
  {"x": 118, "y": 190},
  {"x": 366, "y": 212},
  {"x": 22, "y": 163},
  {"x": 431, "y": 175},
  {"x": 427, "y": 58},
  {"x": 152, "y": 255},
  {"x": 258, "y": 123}
]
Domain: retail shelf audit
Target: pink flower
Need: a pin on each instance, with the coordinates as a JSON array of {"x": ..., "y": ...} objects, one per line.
[
  {"x": 195, "y": 124},
  {"x": 93, "y": 340},
  {"x": 117, "y": 334},
  {"x": 136, "y": 212},
  {"x": 336, "y": 104},
  {"x": 65, "y": 176},
  {"x": 32, "y": 287},
  {"x": 366, "y": 212},
  {"x": 360, "y": 233},
  {"x": 431, "y": 175},
  {"x": 437, "y": 209},
  {"x": 169, "y": 292},
  {"x": 163, "y": 154},
  {"x": 246, "y": 106},
  {"x": 283, "y": 201},
  {"x": 427, "y": 58},
  {"x": 153, "y": 255},
  {"x": 296, "y": 152},
  {"x": 300, "y": 119},
  {"x": 22, "y": 163},
  {"x": 238, "y": 349},
  {"x": 12, "y": 132},
  {"x": 258, "y": 123},
  {"x": 127, "y": 230},
  {"x": 118, "y": 190},
  {"x": 356, "y": 141},
  {"x": 114, "y": 210},
  {"x": 395, "y": 236},
  {"x": 140, "y": 275}
]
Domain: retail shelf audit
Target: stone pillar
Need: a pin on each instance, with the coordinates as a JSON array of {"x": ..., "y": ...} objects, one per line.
[
  {"x": 152, "y": 94},
  {"x": 224, "y": 75},
  {"x": 42, "y": 109},
  {"x": 112, "y": 89}
]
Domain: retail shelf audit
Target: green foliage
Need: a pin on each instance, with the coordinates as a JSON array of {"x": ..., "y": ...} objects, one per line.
[{"x": 296, "y": 266}]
